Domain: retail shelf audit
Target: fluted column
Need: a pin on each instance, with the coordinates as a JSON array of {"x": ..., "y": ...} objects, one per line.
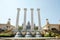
[
  {"x": 25, "y": 11},
  {"x": 39, "y": 19},
  {"x": 32, "y": 25},
  {"x": 17, "y": 19}
]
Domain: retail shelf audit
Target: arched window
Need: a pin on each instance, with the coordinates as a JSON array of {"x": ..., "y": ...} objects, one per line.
[
  {"x": 54, "y": 29},
  {"x": 7, "y": 26}
]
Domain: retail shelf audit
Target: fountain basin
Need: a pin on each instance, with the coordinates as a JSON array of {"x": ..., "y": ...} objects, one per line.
[
  {"x": 18, "y": 34},
  {"x": 28, "y": 34}
]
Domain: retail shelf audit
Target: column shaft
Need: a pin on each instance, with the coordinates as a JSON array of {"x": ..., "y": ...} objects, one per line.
[
  {"x": 17, "y": 19},
  {"x": 32, "y": 25},
  {"x": 39, "y": 20},
  {"x": 24, "y": 26}
]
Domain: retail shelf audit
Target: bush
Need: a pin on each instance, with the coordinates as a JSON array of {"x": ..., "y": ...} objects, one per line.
[
  {"x": 6, "y": 35},
  {"x": 46, "y": 34},
  {"x": 20, "y": 28},
  {"x": 52, "y": 34},
  {"x": 35, "y": 28}
]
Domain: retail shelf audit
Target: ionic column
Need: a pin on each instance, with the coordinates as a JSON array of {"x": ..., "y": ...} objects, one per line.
[
  {"x": 25, "y": 11},
  {"x": 39, "y": 19},
  {"x": 32, "y": 25},
  {"x": 17, "y": 19}
]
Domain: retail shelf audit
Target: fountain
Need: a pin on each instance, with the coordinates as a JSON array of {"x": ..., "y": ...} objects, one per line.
[
  {"x": 33, "y": 33},
  {"x": 38, "y": 34},
  {"x": 18, "y": 34},
  {"x": 28, "y": 30},
  {"x": 28, "y": 34}
]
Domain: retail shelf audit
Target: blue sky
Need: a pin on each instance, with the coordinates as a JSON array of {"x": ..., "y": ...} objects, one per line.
[{"x": 48, "y": 9}]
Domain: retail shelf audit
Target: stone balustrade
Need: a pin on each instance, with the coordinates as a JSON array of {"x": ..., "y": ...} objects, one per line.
[{"x": 31, "y": 38}]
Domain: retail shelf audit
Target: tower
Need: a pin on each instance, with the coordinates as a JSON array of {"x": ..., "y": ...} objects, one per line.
[{"x": 47, "y": 22}]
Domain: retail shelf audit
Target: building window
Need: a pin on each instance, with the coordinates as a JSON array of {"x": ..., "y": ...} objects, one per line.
[
  {"x": 54, "y": 29},
  {"x": 7, "y": 26}
]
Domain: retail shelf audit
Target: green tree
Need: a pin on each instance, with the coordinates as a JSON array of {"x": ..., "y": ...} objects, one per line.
[
  {"x": 35, "y": 28},
  {"x": 20, "y": 28}
]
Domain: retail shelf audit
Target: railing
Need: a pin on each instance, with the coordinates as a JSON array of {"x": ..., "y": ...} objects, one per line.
[{"x": 31, "y": 38}]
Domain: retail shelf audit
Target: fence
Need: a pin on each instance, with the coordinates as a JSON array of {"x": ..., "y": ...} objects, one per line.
[{"x": 31, "y": 38}]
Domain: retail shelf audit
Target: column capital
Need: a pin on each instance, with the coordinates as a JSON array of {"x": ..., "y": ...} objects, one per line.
[
  {"x": 25, "y": 9},
  {"x": 38, "y": 9},
  {"x": 18, "y": 9},
  {"x": 32, "y": 9}
]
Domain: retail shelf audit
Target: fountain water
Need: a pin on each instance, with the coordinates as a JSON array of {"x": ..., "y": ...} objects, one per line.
[
  {"x": 28, "y": 34},
  {"x": 18, "y": 34},
  {"x": 38, "y": 34}
]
